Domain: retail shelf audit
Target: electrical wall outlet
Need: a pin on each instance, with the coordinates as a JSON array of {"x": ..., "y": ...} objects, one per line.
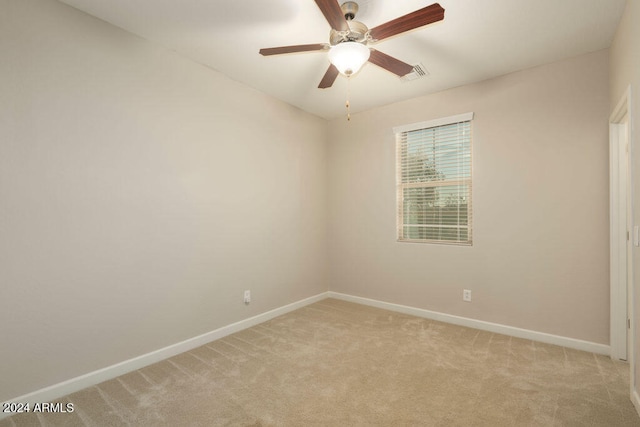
[
  {"x": 466, "y": 295},
  {"x": 247, "y": 297}
]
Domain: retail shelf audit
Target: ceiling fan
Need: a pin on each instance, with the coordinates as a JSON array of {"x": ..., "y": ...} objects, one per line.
[{"x": 348, "y": 39}]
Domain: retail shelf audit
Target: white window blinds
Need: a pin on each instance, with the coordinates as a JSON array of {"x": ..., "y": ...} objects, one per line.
[{"x": 434, "y": 180}]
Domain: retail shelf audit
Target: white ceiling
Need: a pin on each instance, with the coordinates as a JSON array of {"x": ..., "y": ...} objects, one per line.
[{"x": 476, "y": 40}]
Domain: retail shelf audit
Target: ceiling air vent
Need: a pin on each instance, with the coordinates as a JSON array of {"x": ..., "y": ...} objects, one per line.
[{"x": 419, "y": 71}]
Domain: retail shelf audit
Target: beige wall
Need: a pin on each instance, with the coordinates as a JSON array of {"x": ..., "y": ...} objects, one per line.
[
  {"x": 625, "y": 71},
  {"x": 540, "y": 194},
  {"x": 140, "y": 194}
]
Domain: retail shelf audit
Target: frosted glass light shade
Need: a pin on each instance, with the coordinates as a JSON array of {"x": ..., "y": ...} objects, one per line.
[{"x": 349, "y": 57}]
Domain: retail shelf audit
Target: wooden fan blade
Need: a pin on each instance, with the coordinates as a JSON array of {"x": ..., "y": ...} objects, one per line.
[
  {"x": 294, "y": 49},
  {"x": 333, "y": 14},
  {"x": 390, "y": 63},
  {"x": 329, "y": 77},
  {"x": 413, "y": 20}
]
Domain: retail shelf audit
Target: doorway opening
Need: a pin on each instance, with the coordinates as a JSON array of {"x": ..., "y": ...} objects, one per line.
[{"x": 623, "y": 235}]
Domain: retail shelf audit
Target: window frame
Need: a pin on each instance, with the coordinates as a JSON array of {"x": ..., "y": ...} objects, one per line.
[{"x": 400, "y": 133}]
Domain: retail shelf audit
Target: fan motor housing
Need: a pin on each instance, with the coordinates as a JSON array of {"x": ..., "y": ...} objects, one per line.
[{"x": 358, "y": 32}]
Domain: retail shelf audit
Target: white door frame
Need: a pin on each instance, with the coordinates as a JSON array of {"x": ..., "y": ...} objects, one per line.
[{"x": 621, "y": 231}]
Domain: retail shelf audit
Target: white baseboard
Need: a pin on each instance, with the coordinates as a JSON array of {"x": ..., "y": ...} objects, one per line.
[
  {"x": 56, "y": 391},
  {"x": 64, "y": 388},
  {"x": 479, "y": 324},
  {"x": 635, "y": 398}
]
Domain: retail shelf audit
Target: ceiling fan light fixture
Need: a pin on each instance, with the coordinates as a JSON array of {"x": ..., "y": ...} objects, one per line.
[{"x": 348, "y": 57}]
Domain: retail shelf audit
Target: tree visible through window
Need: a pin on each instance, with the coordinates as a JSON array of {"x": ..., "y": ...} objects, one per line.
[{"x": 434, "y": 181}]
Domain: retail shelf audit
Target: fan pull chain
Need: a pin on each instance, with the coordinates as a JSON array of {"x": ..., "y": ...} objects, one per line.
[{"x": 348, "y": 96}]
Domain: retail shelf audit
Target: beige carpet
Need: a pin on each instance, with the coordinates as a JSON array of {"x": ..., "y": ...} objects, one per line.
[{"x": 336, "y": 363}]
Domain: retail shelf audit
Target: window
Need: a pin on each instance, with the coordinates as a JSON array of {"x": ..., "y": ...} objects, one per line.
[{"x": 434, "y": 180}]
